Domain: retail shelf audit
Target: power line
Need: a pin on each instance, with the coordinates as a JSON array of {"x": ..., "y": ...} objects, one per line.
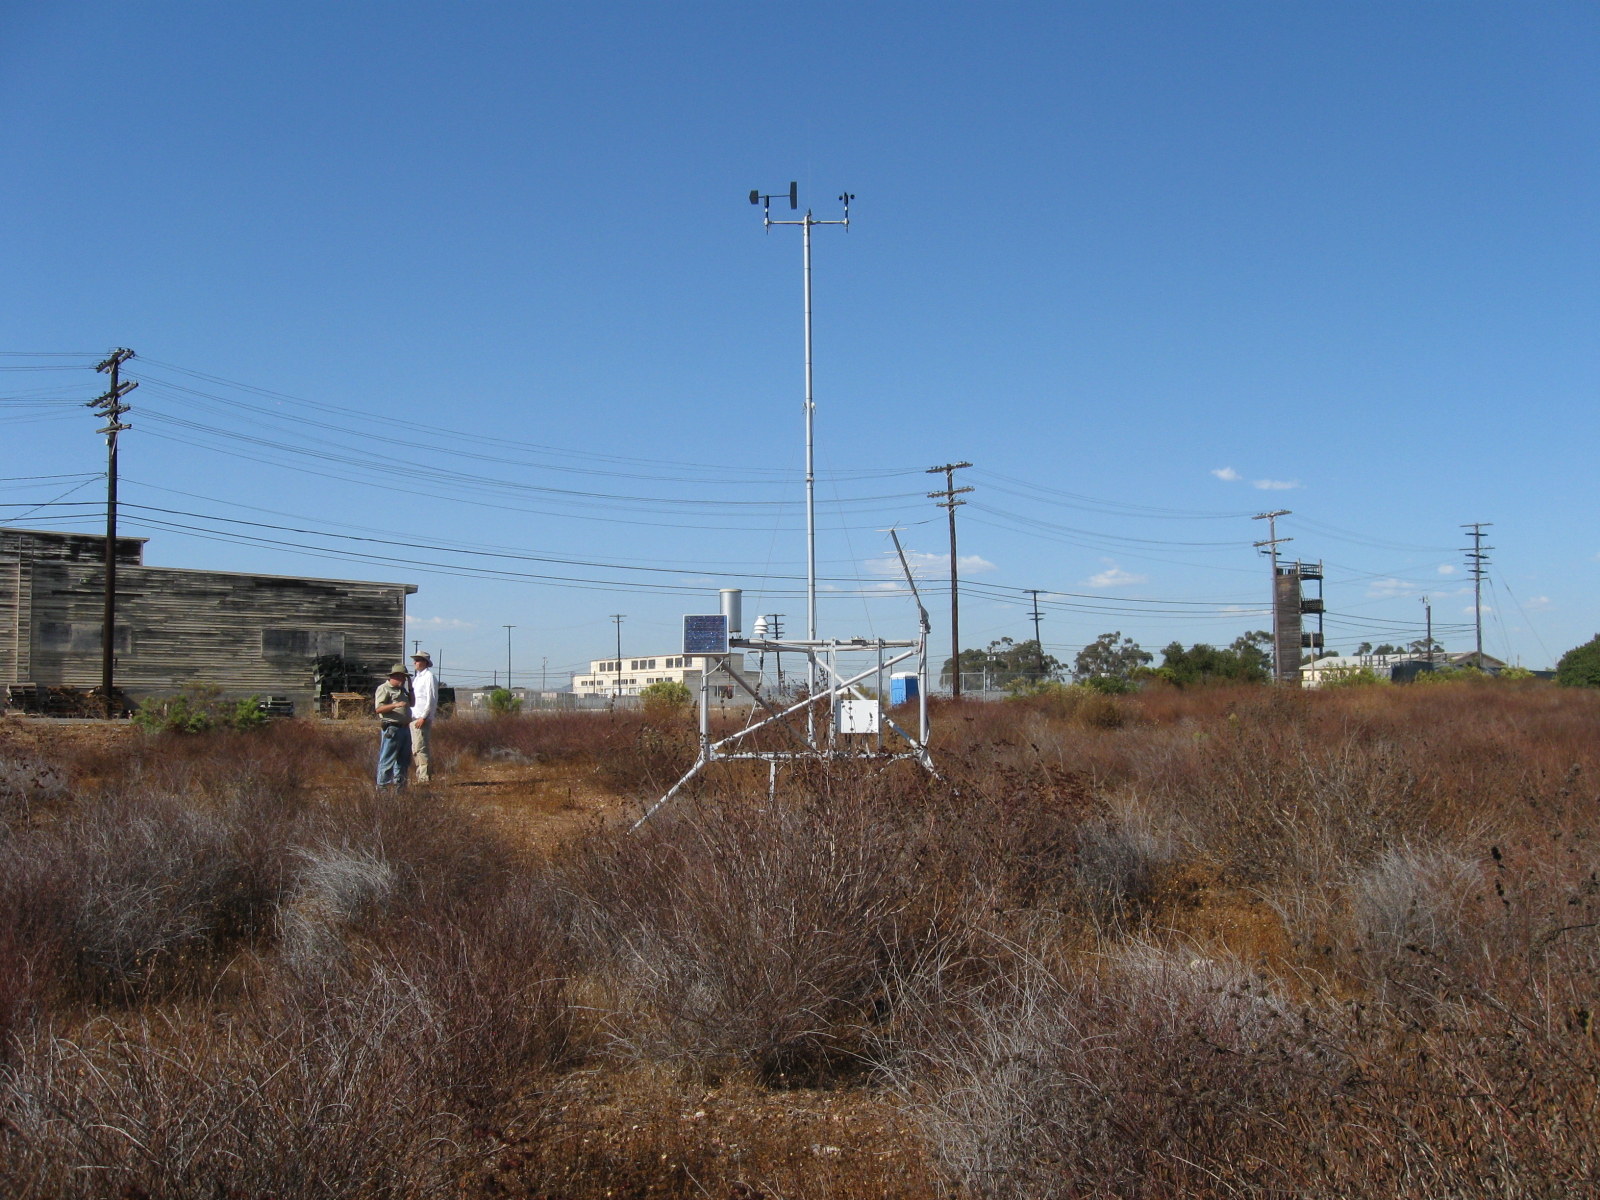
[{"x": 497, "y": 442}]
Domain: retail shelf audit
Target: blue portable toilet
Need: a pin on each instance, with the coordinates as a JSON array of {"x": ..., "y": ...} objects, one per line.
[{"x": 903, "y": 688}]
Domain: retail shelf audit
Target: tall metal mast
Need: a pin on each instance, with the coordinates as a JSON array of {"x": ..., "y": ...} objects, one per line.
[{"x": 806, "y": 223}]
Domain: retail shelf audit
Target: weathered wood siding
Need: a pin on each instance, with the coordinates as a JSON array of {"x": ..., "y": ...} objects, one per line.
[
  {"x": 244, "y": 633},
  {"x": 20, "y": 549}
]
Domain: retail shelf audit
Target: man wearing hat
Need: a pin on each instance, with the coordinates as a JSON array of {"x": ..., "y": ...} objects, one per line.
[
  {"x": 393, "y": 704},
  {"x": 424, "y": 704}
]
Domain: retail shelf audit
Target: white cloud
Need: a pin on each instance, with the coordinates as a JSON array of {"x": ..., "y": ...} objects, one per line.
[
  {"x": 923, "y": 565},
  {"x": 1115, "y": 576},
  {"x": 1446, "y": 569},
  {"x": 1390, "y": 587},
  {"x": 1227, "y": 474},
  {"x": 1276, "y": 485},
  {"x": 1538, "y": 603},
  {"x": 1486, "y": 610},
  {"x": 438, "y": 623}
]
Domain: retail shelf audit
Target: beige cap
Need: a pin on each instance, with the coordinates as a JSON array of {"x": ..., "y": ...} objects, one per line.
[{"x": 398, "y": 669}]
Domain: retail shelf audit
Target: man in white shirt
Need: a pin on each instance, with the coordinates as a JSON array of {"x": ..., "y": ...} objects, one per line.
[{"x": 425, "y": 703}]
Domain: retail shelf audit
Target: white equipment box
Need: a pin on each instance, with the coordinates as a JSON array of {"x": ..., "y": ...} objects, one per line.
[{"x": 858, "y": 716}]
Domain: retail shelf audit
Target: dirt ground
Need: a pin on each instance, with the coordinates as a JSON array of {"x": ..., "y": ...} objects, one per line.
[{"x": 537, "y": 803}]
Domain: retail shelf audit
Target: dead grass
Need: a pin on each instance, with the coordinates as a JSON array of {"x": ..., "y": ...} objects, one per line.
[{"x": 1220, "y": 942}]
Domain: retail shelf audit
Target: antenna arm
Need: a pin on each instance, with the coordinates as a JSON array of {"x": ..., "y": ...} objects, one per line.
[{"x": 922, "y": 612}]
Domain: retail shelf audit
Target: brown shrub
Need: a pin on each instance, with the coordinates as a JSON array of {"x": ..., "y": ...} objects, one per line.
[{"x": 218, "y": 979}]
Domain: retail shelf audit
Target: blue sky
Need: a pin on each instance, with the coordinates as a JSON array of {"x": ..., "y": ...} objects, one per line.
[{"x": 1135, "y": 262}]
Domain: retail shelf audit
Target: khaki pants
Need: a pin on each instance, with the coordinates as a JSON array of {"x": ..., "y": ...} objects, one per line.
[{"x": 419, "y": 750}]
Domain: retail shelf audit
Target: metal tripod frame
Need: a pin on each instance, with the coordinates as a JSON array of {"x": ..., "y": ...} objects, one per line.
[{"x": 812, "y": 743}]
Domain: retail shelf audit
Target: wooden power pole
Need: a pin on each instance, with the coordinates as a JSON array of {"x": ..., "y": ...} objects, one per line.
[
  {"x": 1038, "y": 638},
  {"x": 110, "y": 407},
  {"x": 1478, "y": 562},
  {"x": 1271, "y": 544},
  {"x": 947, "y": 501}
]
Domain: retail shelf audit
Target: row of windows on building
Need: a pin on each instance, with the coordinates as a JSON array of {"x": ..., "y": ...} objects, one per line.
[{"x": 643, "y": 664}]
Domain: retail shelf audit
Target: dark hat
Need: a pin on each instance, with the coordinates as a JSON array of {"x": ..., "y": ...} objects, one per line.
[{"x": 398, "y": 669}]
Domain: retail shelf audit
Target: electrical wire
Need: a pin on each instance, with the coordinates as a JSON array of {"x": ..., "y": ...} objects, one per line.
[{"x": 48, "y": 503}]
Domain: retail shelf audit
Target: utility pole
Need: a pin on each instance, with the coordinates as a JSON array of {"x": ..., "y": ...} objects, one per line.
[
  {"x": 1271, "y": 518},
  {"x": 947, "y": 501},
  {"x": 416, "y": 645},
  {"x": 1427, "y": 612},
  {"x": 617, "y": 617},
  {"x": 806, "y": 224},
  {"x": 1038, "y": 642},
  {"x": 544, "y": 664},
  {"x": 508, "y": 630},
  {"x": 1478, "y": 556},
  {"x": 110, "y": 407}
]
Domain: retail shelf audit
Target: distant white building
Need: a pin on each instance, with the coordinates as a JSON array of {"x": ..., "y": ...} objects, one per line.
[
  {"x": 1314, "y": 674},
  {"x": 625, "y": 677}
]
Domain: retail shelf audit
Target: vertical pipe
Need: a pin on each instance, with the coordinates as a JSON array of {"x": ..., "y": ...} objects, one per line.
[
  {"x": 811, "y": 504},
  {"x": 811, "y": 477},
  {"x": 922, "y": 692},
  {"x": 832, "y": 695},
  {"x": 882, "y": 696},
  {"x": 705, "y": 710}
]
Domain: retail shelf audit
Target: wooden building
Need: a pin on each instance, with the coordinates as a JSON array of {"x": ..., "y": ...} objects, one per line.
[{"x": 272, "y": 635}]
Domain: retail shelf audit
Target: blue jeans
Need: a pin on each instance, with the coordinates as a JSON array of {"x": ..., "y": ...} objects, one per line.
[{"x": 394, "y": 755}]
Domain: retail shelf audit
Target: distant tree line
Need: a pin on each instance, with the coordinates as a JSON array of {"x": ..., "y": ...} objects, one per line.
[{"x": 1113, "y": 662}]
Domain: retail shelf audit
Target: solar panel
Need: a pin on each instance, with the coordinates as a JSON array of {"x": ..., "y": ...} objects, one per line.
[{"x": 705, "y": 635}]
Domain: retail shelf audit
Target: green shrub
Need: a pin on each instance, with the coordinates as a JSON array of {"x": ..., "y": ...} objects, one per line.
[
  {"x": 1110, "y": 685},
  {"x": 1580, "y": 666},
  {"x": 1020, "y": 688},
  {"x": 503, "y": 703},
  {"x": 199, "y": 708},
  {"x": 664, "y": 698},
  {"x": 1350, "y": 677},
  {"x": 1245, "y": 661},
  {"x": 1453, "y": 675}
]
